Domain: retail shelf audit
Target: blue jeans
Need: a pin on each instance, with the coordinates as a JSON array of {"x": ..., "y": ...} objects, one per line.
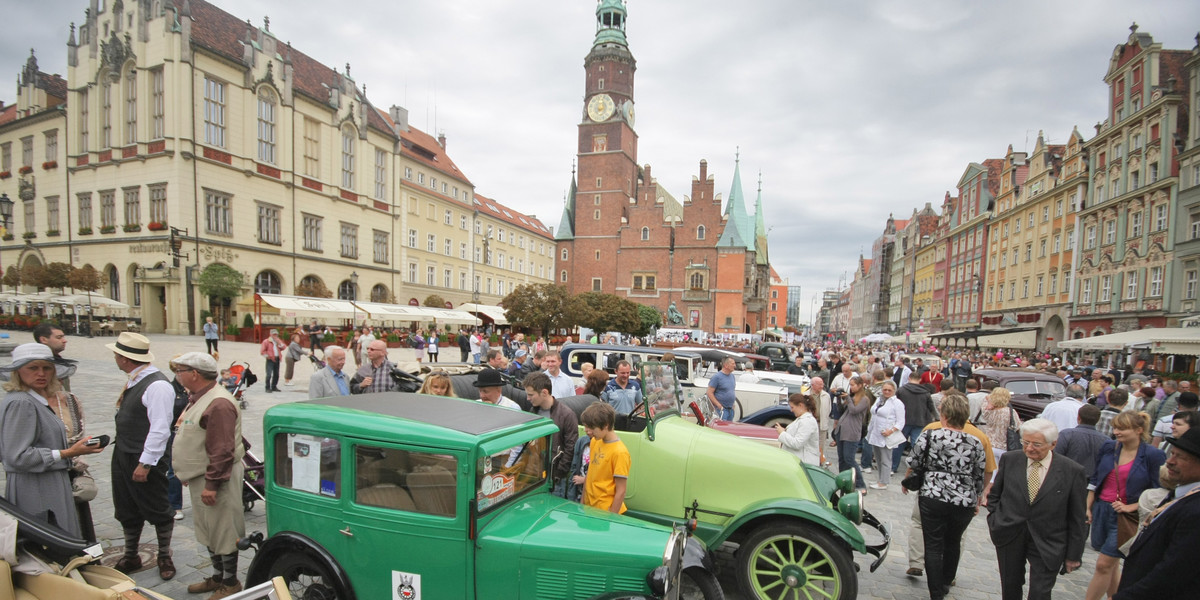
[
  {"x": 475, "y": 358},
  {"x": 846, "y": 460},
  {"x": 865, "y": 448},
  {"x": 911, "y": 432},
  {"x": 725, "y": 413},
  {"x": 271, "y": 378}
]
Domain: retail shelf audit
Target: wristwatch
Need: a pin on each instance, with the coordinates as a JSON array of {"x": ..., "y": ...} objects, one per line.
[{"x": 146, "y": 466}]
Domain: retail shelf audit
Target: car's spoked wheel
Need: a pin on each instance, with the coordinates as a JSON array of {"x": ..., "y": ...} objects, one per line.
[
  {"x": 795, "y": 562},
  {"x": 306, "y": 579}
]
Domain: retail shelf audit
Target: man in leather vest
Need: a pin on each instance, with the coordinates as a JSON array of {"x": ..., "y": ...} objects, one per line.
[
  {"x": 207, "y": 456},
  {"x": 145, "y": 410}
]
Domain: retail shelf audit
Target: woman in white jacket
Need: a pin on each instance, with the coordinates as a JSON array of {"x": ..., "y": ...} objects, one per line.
[
  {"x": 887, "y": 417},
  {"x": 802, "y": 437}
]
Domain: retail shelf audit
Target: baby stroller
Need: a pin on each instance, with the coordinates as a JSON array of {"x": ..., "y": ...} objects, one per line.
[
  {"x": 318, "y": 364},
  {"x": 254, "y": 483},
  {"x": 243, "y": 379}
]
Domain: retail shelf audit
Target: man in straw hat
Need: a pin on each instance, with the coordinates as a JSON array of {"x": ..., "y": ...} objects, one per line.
[
  {"x": 145, "y": 410},
  {"x": 1161, "y": 562},
  {"x": 207, "y": 457}
]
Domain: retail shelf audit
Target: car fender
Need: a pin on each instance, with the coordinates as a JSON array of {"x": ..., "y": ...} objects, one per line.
[
  {"x": 290, "y": 541},
  {"x": 776, "y": 508},
  {"x": 696, "y": 555}
]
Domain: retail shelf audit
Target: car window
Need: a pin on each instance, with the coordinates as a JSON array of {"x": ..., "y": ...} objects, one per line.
[
  {"x": 419, "y": 482},
  {"x": 308, "y": 463},
  {"x": 578, "y": 358},
  {"x": 660, "y": 387},
  {"x": 510, "y": 472},
  {"x": 1021, "y": 386},
  {"x": 1054, "y": 388}
]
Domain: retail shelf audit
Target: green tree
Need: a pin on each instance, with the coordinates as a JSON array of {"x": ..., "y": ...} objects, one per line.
[
  {"x": 607, "y": 312},
  {"x": 87, "y": 279},
  {"x": 313, "y": 289},
  {"x": 223, "y": 283},
  {"x": 13, "y": 277},
  {"x": 650, "y": 317},
  {"x": 434, "y": 301},
  {"x": 57, "y": 275},
  {"x": 34, "y": 274},
  {"x": 541, "y": 305}
]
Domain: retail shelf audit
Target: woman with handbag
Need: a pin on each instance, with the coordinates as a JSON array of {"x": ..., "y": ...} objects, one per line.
[
  {"x": 849, "y": 429},
  {"x": 1125, "y": 467},
  {"x": 947, "y": 470},
  {"x": 887, "y": 418},
  {"x": 1000, "y": 422}
]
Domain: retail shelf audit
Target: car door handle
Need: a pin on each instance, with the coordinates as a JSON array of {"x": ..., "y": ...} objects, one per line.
[{"x": 346, "y": 532}]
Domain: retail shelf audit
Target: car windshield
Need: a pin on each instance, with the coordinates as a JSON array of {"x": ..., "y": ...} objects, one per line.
[
  {"x": 1021, "y": 386},
  {"x": 1054, "y": 388},
  {"x": 660, "y": 388},
  {"x": 510, "y": 472}
]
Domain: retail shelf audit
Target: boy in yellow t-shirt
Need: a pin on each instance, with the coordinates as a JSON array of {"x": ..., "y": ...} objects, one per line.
[{"x": 604, "y": 485}]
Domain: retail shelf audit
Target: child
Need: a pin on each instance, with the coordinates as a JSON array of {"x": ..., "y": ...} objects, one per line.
[
  {"x": 228, "y": 380},
  {"x": 604, "y": 485}
]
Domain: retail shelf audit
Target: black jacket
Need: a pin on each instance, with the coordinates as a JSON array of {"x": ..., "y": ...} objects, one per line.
[
  {"x": 562, "y": 445},
  {"x": 919, "y": 410}
]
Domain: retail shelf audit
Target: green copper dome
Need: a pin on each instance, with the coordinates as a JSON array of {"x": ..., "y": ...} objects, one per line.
[{"x": 610, "y": 22}]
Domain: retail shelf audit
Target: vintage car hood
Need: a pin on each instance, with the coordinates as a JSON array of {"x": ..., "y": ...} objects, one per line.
[
  {"x": 747, "y": 430},
  {"x": 547, "y": 528}
]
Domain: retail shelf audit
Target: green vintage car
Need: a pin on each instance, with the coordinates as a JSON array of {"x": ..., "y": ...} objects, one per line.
[
  {"x": 796, "y": 525},
  {"x": 416, "y": 497}
]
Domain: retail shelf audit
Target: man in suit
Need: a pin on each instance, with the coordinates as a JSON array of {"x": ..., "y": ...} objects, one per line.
[
  {"x": 1037, "y": 513},
  {"x": 1161, "y": 562},
  {"x": 330, "y": 381}
]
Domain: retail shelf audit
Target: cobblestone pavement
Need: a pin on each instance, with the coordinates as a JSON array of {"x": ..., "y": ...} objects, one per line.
[{"x": 98, "y": 381}]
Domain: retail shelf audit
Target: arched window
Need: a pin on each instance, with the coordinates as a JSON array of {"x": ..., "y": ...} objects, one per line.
[
  {"x": 114, "y": 283},
  {"x": 645, "y": 233},
  {"x": 267, "y": 282},
  {"x": 563, "y": 276},
  {"x": 312, "y": 286},
  {"x": 266, "y": 125},
  {"x": 700, "y": 231},
  {"x": 379, "y": 293},
  {"x": 696, "y": 281},
  {"x": 347, "y": 290}
]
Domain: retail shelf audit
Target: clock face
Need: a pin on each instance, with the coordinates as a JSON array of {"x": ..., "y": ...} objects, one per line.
[
  {"x": 627, "y": 108},
  {"x": 601, "y": 107}
]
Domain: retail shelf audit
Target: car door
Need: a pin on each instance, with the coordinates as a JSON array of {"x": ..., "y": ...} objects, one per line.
[{"x": 406, "y": 522}]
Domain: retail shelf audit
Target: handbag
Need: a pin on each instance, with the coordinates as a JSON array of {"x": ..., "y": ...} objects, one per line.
[
  {"x": 916, "y": 478},
  {"x": 83, "y": 487},
  {"x": 1012, "y": 440},
  {"x": 1127, "y": 522}
]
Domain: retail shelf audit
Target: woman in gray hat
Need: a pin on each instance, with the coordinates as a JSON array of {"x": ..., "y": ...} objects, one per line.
[{"x": 33, "y": 440}]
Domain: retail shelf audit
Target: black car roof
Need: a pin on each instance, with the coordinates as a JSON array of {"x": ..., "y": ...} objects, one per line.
[
  {"x": 1013, "y": 373},
  {"x": 466, "y": 416},
  {"x": 642, "y": 349}
]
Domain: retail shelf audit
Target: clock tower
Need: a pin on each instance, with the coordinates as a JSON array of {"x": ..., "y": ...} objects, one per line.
[{"x": 608, "y": 175}]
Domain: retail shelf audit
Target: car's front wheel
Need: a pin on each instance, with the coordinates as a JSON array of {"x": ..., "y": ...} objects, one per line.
[
  {"x": 794, "y": 561},
  {"x": 698, "y": 583},
  {"x": 307, "y": 578}
]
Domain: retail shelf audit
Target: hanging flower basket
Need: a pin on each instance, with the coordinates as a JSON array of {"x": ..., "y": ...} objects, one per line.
[
  {"x": 5, "y": 174},
  {"x": 85, "y": 231},
  {"x": 156, "y": 226},
  {"x": 108, "y": 229},
  {"x": 50, "y": 164},
  {"x": 25, "y": 170},
  {"x": 132, "y": 228}
]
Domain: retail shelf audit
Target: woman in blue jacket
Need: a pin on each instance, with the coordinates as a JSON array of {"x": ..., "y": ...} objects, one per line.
[{"x": 1125, "y": 468}]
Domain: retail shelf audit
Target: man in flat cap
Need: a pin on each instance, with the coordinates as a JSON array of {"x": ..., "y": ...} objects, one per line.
[
  {"x": 145, "y": 410},
  {"x": 207, "y": 456}
]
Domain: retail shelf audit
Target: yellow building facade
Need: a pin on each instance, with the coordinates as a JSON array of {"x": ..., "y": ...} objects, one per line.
[{"x": 186, "y": 118}]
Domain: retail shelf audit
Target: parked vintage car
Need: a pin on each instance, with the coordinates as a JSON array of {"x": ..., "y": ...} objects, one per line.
[
  {"x": 1031, "y": 390},
  {"x": 796, "y": 525},
  {"x": 689, "y": 368},
  {"x": 400, "y": 495},
  {"x": 780, "y": 355}
]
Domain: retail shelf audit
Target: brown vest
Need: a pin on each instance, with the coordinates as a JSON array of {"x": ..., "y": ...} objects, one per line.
[{"x": 188, "y": 455}]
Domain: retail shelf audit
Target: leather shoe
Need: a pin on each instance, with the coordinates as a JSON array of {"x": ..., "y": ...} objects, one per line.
[
  {"x": 914, "y": 572},
  {"x": 208, "y": 585},
  {"x": 128, "y": 564},
  {"x": 225, "y": 590},
  {"x": 166, "y": 568}
]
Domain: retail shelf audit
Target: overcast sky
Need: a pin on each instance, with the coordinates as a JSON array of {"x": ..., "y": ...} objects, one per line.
[{"x": 851, "y": 110}]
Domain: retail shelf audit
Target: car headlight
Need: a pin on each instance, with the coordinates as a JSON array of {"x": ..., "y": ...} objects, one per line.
[
  {"x": 664, "y": 580},
  {"x": 851, "y": 507},
  {"x": 845, "y": 481}
]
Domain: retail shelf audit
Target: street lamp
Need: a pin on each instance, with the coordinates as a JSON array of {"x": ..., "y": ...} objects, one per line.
[
  {"x": 353, "y": 296},
  {"x": 6, "y": 208}
]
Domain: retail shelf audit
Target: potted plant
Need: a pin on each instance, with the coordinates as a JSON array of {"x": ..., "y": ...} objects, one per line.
[
  {"x": 393, "y": 340},
  {"x": 52, "y": 233},
  {"x": 25, "y": 170},
  {"x": 85, "y": 231},
  {"x": 29, "y": 235},
  {"x": 156, "y": 226},
  {"x": 7, "y": 237},
  {"x": 132, "y": 228},
  {"x": 50, "y": 164},
  {"x": 108, "y": 229},
  {"x": 231, "y": 332},
  {"x": 5, "y": 174}
]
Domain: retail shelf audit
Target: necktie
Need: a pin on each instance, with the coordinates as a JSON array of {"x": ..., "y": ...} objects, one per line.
[{"x": 1035, "y": 479}]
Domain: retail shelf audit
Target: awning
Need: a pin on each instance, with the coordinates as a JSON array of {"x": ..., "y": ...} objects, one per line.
[
  {"x": 495, "y": 313},
  {"x": 1175, "y": 340},
  {"x": 1016, "y": 339},
  {"x": 422, "y": 314},
  {"x": 97, "y": 301},
  {"x": 446, "y": 316},
  {"x": 306, "y": 307},
  {"x": 1138, "y": 338}
]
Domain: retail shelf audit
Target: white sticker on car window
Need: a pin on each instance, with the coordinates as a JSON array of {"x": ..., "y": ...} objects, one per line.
[{"x": 406, "y": 586}]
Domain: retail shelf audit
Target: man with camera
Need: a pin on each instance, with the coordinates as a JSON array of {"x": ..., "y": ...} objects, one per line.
[{"x": 376, "y": 375}]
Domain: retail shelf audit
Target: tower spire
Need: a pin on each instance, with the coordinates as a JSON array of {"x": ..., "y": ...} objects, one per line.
[{"x": 610, "y": 22}]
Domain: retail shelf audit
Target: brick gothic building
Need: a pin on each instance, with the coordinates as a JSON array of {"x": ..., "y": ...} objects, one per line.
[{"x": 623, "y": 233}]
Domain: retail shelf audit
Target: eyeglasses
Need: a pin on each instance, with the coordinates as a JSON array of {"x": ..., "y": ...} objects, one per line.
[
  {"x": 181, "y": 370},
  {"x": 1028, "y": 444}
]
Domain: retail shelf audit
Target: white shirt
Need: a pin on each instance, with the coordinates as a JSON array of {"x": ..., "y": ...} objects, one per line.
[
  {"x": 159, "y": 400},
  {"x": 1162, "y": 429},
  {"x": 801, "y": 439},
  {"x": 563, "y": 385},
  {"x": 885, "y": 414},
  {"x": 1063, "y": 413}
]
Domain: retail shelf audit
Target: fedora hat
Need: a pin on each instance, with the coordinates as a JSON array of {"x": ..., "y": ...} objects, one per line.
[
  {"x": 1188, "y": 442},
  {"x": 489, "y": 378},
  {"x": 133, "y": 346},
  {"x": 31, "y": 352}
]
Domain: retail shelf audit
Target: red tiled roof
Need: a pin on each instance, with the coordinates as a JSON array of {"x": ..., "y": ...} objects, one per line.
[
  {"x": 56, "y": 88},
  {"x": 499, "y": 211},
  {"x": 423, "y": 148},
  {"x": 8, "y": 114},
  {"x": 900, "y": 223}
]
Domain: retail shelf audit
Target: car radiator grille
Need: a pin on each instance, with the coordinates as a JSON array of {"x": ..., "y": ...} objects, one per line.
[{"x": 556, "y": 584}]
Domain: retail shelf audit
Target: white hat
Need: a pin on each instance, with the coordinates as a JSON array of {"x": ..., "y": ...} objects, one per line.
[
  {"x": 133, "y": 346},
  {"x": 199, "y": 361},
  {"x": 33, "y": 351}
]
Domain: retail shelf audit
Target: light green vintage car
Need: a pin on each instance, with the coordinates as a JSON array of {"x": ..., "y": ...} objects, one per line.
[{"x": 796, "y": 525}]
